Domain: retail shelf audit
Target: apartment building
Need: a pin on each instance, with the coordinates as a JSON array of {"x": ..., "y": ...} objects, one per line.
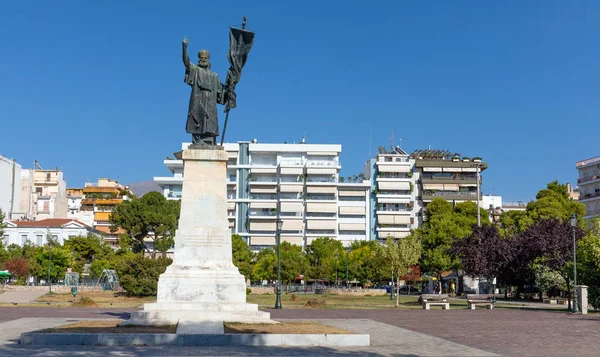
[
  {"x": 589, "y": 185},
  {"x": 449, "y": 176},
  {"x": 10, "y": 187},
  {"x": 98, "y": 201},
  {"x": 297, "y": 182},
  {"x": 74, "y": 197},
  {"x": 393, "y": 207},
  {"x": 43, "y": 194}
]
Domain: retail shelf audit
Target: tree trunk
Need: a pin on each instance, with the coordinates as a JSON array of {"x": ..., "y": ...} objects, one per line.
[{"x": 398, "y": 289}]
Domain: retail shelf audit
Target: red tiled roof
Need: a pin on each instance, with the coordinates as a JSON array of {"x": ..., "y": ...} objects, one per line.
[
  {"x": 50, "y": 222},
  {"x": 106, "y": 230}
]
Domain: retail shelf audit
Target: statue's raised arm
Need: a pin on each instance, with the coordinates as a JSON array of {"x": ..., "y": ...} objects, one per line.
[{"x": 186, "y": 58}]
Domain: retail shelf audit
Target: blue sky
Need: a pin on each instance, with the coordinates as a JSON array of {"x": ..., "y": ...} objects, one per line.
[{"x": 97, "y": 88}]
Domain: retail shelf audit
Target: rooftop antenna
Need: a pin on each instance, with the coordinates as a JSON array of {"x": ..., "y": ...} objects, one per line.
[
  {"x": 304, "y": 138},
  {"x": 392, "y": 138}
]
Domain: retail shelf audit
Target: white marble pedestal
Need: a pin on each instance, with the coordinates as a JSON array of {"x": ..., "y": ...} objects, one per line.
[{"x": 202, "y": 284}]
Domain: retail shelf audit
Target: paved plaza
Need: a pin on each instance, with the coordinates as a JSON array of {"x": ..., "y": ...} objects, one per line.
[{"x": 501, "y": 332}]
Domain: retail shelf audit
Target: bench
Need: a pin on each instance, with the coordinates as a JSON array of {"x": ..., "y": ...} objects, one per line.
[
  {"x": 435, "y": 299},
  {"x": 480, "y": 299}
]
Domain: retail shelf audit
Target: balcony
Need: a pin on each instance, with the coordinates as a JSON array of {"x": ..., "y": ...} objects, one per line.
[
  {"x": 589, "y": 196},
  {"x": 450, "y": 195},
  {"x": 588, "y": 179},
  {"x": 449, "y": 178},
  {"x": 320, "y": 197},
  {"x": 394, "y": 175}
]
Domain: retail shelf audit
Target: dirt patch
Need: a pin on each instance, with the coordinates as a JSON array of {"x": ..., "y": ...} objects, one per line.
[
  {"x": 299, "y": 327},
  {"x": 107, "y": 326},
  {"x": 315, "y": 303}
]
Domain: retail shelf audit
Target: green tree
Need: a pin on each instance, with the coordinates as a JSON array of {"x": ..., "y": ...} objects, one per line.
[
  {"x": 265, "y": 267},
  {"x": 554, "y": 202},
  {"x": 243, "y": 257},
  {"x": 399, "y": 256},
  {"x": 138, "y": 275},
  {"x": 443, "y": 226},
  {"x": 150, "y": 217},
  {"x": 58, "y": 257},
  {"x": 321, "y": 256},
  {"x": 90, "y": 249},
  {"x": 588, "y": 262},
  {"x": 364, "y": 266},
  {"x": 293, "y": 262}
]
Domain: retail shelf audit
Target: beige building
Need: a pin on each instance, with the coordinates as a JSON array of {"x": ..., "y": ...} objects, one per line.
[
  {"x": 94, "y": 203},
  {"x": 43, "y": 194}
]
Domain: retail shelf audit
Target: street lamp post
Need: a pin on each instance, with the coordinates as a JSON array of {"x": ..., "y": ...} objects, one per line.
[
  {"x": 278, "y": 236},
  {"x": 478, "y": 166},
  {"x": 574, "y": 225},
  {"x": 347, "y": 263}
]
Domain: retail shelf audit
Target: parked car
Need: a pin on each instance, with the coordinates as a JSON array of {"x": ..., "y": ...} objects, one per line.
[{"x": 409, "y": 290}]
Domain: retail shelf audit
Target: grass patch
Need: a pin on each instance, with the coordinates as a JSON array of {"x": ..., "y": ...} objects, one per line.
[
  {"x": 99, "y": 298},
  {"x": 107, "y": 326},
  {"x": 296, "y": 327},
  {"x": 301, "y": 301}
]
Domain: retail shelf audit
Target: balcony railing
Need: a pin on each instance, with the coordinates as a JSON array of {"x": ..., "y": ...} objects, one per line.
[
  {"x": 261, "y": 197},
  {"x": 449, "y": 176},
  {"x": 589, "y": 195},
  {"x": 588, "y": 178},
  {"x": 321, "y": 197},
  {"x": 322, "y": 163},
  {"x": 394, "y": 209},
  {"x": 393, "y": 193},
  {"x": 393, "y": 175},
  {"x": 450, "y": 193},
  {"x": 263, "y": 214}
]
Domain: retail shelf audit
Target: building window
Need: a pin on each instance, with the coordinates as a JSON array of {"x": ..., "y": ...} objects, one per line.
[
  {"x": 38, "y": 190},
  {"x": 5, "y": 240},
  {"x": 48, "y": 177},
  {"x": 23, "y": 239},
  {"x": 39, "y": 239}
]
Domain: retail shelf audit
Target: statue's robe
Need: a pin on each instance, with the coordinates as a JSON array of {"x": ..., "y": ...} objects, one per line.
[{"x": 207, "y": 91}]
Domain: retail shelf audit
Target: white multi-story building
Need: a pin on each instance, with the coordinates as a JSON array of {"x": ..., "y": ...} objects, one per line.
[
  {"x": 297, "y": 182},
  {"x": 393, "y": 206},
  {"x": 589, "y": 185},
  {"x": 10, "y": 187}
]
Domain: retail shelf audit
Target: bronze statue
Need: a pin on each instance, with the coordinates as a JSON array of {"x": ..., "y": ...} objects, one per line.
[{"x": 208, "y": 90}]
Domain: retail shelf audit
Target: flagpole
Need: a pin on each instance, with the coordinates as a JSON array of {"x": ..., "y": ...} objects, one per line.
[{"x": 224, "y": 127}]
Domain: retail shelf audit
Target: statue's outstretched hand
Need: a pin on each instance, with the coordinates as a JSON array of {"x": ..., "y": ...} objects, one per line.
[{"x": 185, "y": 41}]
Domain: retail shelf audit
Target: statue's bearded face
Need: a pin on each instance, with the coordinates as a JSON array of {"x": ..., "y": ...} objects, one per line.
[{"x": 203, "y": 57}]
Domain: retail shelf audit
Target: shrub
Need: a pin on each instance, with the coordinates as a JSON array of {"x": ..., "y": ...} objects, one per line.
[
  {"x": 84, "y": 302},
  {"x": 293, "y": 297},
  {"x": 594, "y": 297},
  {"x": 138, "y": 275},
  {"x": 248, "y": 291}
]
